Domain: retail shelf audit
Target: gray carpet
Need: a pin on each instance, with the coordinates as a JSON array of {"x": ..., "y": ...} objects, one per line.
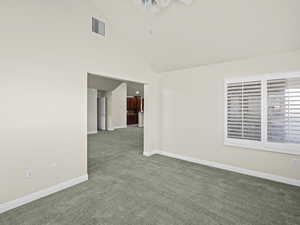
[{"x": 126, "y": 188}]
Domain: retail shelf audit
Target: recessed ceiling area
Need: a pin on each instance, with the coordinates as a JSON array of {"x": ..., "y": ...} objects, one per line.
[
  {"x": 207, "y": 32},
  {"x": 108, "y": 84}
]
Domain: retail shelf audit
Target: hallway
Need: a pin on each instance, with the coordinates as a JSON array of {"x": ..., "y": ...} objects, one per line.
[{"x": 107, "y": 146}]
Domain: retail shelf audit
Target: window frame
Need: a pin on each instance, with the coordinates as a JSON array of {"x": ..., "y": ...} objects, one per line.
[{"x": 288, "y": 148}]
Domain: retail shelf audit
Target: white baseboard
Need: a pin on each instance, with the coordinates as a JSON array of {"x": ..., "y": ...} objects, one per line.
[
  {"x": 253, "y": 173},
  {"x": 92, "y": 132},
  {"x": 120, "y": 127},
  {"x": 149, "y": 153},
  {"x": 40, "y": 194}
]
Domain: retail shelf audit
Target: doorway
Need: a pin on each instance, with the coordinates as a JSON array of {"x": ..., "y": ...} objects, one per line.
[{"x": 115, "y": 119}]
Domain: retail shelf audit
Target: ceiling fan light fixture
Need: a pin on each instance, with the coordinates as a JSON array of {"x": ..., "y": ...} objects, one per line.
[{"x": 149, "y": 3}]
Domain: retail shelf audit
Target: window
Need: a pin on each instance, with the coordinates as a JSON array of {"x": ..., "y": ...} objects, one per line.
[
  {"x": 263, "y": 113},
  {"x": 284, "y": 110},
  {"x": 244, "y": 110}
]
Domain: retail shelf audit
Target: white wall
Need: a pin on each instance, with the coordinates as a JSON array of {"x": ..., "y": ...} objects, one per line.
[
  {"x": 47, "y": 49},
  {"x": 119, "y": 106},
  {"x": 109, "y": 111},
  {"x": 193, "y": 114},
  {"x": 92, "y": 111}
]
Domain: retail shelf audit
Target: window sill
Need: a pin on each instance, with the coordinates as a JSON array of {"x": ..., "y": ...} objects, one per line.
[{"x": 291, "y": 149}]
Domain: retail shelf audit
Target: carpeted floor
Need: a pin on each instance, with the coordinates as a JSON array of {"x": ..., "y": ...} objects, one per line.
[{"x": 126, "y": 188}]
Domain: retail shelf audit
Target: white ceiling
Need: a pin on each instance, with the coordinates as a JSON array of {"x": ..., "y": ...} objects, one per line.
[
  {"x": 102, "y": 83},
  {"x": 206, "y": 32}
]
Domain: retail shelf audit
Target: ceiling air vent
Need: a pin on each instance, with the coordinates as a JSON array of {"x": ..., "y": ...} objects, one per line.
[{"x": 98, "y": 26}]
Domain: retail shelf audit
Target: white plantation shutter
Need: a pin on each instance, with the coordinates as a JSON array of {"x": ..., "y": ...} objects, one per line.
[
  {"x": 244, "y": 110},
  {"x": 263, "y": 113},
  {"x": 283, "y": 110}
]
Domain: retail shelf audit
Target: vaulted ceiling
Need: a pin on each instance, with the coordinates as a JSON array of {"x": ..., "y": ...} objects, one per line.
[{"x": 207, "y": 31}]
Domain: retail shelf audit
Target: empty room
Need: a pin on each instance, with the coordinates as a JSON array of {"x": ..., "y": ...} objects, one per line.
[{"x": 150, "y": 112}]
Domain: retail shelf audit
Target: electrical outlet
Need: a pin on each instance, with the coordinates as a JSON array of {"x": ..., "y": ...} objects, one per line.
[{"x": 28, "y": 173}]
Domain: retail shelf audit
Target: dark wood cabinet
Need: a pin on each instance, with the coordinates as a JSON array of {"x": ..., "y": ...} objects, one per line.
[
  {"x": 131, "y": 104},
  {"x": 134, "y": 106},
  {"x": 132, "y": 118}
]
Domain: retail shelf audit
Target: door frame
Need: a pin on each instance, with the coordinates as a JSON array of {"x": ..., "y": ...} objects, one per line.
[{"x": 146, "y": 133}]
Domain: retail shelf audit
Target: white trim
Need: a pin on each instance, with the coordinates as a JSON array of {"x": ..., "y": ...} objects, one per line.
[
  {"x": 92, "y": 132},
  {"x": 120, "y": 78},
  {"x": 269, "y": 76},
  {"x": 150, "y": 153},
  {"x": 225, "y": 110},
  {"x": 288, "y": 148},
  {"x": 120, "y": 127},
  {"x": 40, "y": 194},
  {"x": 253, "y": 173},
  {"x": 269, "y": 147},
  {"x": 264, "y": 111}
]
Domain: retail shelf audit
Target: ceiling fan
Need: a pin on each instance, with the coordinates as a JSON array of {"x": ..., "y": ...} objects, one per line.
[{"x": 157, "y": 5}]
